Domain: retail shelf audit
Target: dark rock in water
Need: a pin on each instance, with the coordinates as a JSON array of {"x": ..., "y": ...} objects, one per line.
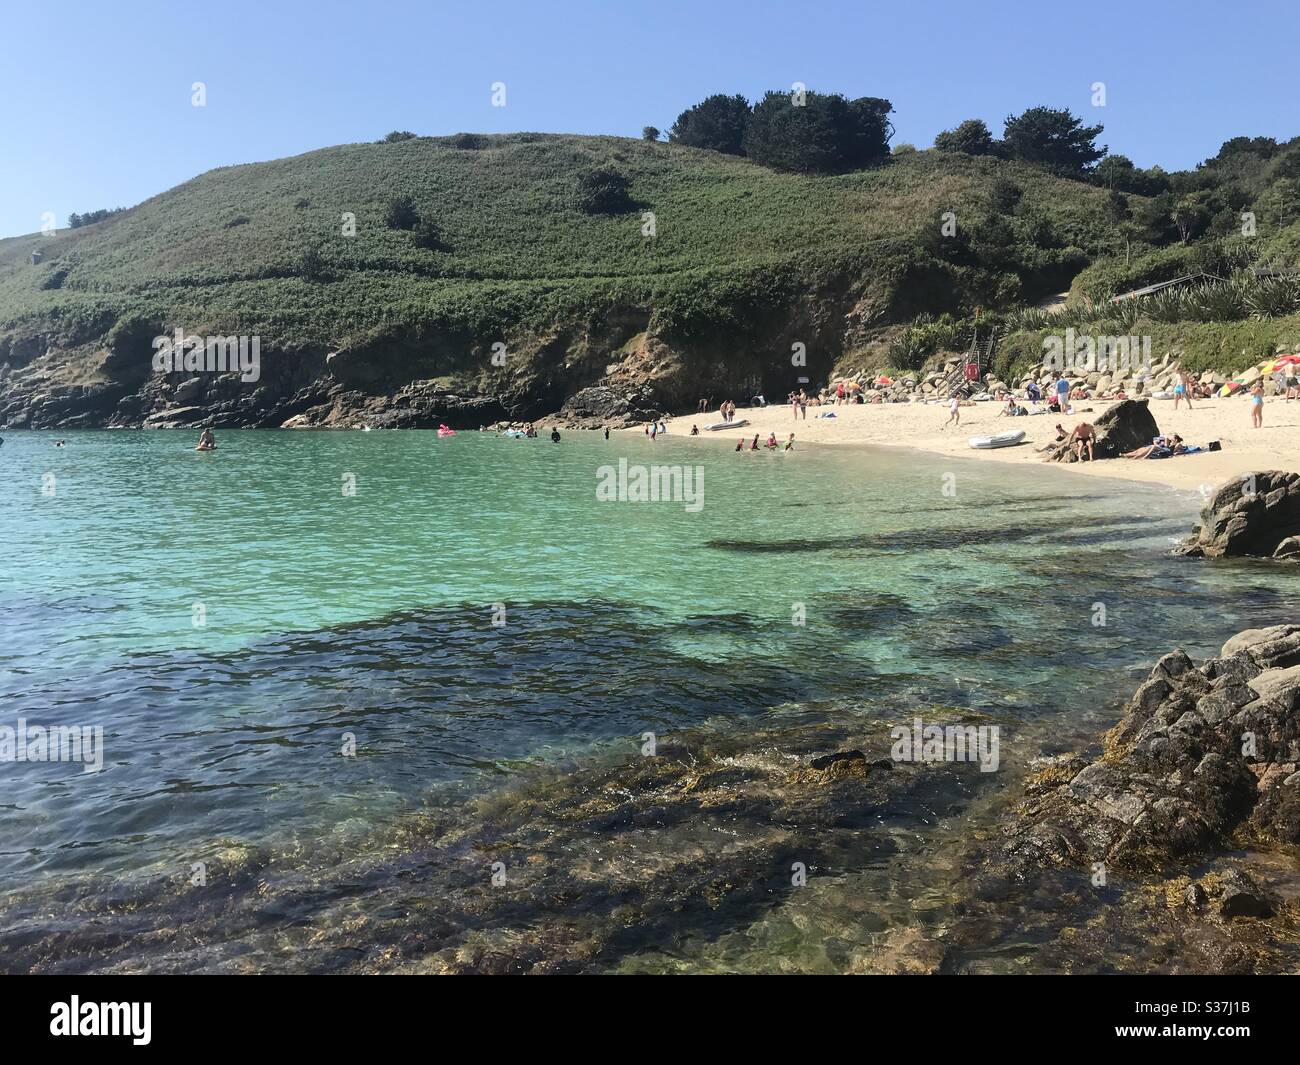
[
  {"x": 1204, "y": 755},
  {"x": 1125, "y": 427},
  {"x": 603, "y": 405},
  {"x": 828, "y": 760},
  {"x": 1258, "y": 514},
  {"x": 1240, "y": 896},
  {"x": 842, "y": 765},
  {"x": 1288, "y": 549}
]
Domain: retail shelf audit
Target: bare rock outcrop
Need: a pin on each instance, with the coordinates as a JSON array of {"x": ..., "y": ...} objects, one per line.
[
  {"x": 1257, "y": 514},
  {"x": 1125, "y": 427},
  {"x": 1206, "y": 758}
]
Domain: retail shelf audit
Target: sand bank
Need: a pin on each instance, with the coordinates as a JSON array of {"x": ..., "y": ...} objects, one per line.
[{"x": 917, "y": 425}]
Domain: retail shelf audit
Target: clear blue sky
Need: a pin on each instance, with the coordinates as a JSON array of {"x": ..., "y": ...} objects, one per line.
[{"x": 95, "y": 97}]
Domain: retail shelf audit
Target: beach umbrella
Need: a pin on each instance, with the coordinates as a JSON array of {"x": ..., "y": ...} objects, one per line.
[
  {"x": 883, "y": 380},
  {"x": 1229, "y": 388}
]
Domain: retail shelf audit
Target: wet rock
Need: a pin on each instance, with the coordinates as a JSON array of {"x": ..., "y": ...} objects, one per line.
[
  {"x": 1288, "y": 550},
  {"x": 1239, "y": 896},
  {"x": 1254, "y": 515}
]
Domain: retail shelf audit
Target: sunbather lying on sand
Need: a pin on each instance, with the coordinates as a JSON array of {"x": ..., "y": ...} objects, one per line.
[{"x": 1159, "y": 448}]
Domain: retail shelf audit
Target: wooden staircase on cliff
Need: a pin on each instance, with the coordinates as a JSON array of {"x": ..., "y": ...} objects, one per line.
[{"x": 968, "y": 378}]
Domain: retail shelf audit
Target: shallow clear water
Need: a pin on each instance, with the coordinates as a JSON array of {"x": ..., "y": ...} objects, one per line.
[{"x": 231, "y": 619}]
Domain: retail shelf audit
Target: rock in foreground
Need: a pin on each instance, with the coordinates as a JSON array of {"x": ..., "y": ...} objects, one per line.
[{"x": 1204, "y": 759}]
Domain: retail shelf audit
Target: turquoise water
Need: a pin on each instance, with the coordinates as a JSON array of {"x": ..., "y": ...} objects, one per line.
[{"x": 233, "y": 620}]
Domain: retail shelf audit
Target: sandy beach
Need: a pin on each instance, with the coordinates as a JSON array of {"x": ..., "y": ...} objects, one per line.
[{"x": 917, "y": 425}]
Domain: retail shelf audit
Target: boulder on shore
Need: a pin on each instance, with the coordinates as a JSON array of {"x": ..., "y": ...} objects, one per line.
[
  {"x": 1257, "y": 514},
  {"x": 1125, "y": 427}
]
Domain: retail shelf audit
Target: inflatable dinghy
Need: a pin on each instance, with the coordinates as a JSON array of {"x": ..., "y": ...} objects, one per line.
[{"x": 1007, "y": 439}]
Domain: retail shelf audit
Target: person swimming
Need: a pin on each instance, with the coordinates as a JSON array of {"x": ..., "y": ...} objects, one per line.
[{"x": 207, "y": 442}]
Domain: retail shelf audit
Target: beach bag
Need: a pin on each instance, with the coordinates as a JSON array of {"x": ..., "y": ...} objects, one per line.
[{"x": 1213, "y": 445}]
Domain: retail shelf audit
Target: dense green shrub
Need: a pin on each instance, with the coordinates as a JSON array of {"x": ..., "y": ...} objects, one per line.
[
  {"x": 401, "y": 213},
  {"x": 971, "y": 137},
  {"x": 818, "y": 133},
  {"x": 603, "y": 190},
  {"x": 717, "y": 123}
]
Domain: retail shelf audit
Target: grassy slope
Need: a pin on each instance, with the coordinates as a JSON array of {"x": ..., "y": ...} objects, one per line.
[{"x": 518, "y": 251}]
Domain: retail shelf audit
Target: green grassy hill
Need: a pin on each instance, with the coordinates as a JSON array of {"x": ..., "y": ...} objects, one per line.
[{"x": 744, "y": 263}]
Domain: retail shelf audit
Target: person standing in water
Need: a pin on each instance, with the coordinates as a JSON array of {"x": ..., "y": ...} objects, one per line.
[
  {"x": 607, "y": 432},
  {"x": 789, "y": 444},
  {"x": 207, "y": 442},
  {"x": 555, "y": 435}
]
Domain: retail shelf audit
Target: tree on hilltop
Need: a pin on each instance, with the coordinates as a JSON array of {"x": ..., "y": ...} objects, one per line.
[
  {"x": 971, "y": 137},
  {"x": 1054, "y": 139},
  {"x": 820, "y": 133},
  {"x": 717, "y": 123}
]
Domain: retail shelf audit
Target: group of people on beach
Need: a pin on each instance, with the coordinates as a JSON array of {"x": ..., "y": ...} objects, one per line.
[{"x": 799, "y": 404}]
